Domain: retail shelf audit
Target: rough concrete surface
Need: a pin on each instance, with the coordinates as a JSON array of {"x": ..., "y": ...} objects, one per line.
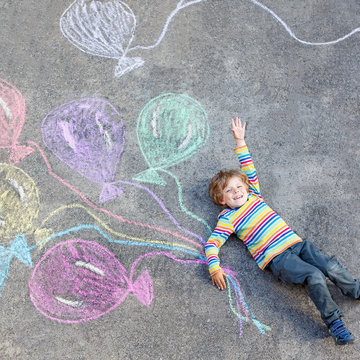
[{"x": 231, "y": 58}]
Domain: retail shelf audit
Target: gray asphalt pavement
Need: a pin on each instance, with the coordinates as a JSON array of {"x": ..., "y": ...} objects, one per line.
[{"x": 113, "y": 118}]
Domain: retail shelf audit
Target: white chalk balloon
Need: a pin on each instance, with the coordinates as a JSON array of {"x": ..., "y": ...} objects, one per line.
[{"x": 102, "y": 28}]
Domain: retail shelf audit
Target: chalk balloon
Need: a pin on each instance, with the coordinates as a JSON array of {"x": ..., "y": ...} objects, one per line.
[
  {"x": 79, "y": 280},
  {"x": 19, "y": 202},
  {"x": 88, "y": 136},
  {"x": 12, "y": 118},
  {"x": 102, "y": 28},
  {"x": 171, "y": 128}
]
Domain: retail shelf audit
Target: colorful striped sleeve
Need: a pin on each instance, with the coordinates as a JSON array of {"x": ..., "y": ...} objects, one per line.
[
  {"x": 247, "y": 166},
  {"x": 221, "y": 233}
]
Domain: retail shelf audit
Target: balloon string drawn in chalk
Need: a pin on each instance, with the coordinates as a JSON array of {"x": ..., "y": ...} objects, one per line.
[
  {"x": 181, "y": 203},
  {"x": 196, "y": 247},
  {"x": 33, "y": 206},
  {"x": 180, "y": 5},
  {"x": 166, "y": 211},
  {"x": 20, "y": 249},
  {"x": 103, "y": 210},
  {"x": 291, "y": 33}
]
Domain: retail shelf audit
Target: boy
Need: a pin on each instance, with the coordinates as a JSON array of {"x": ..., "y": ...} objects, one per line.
[{"x": 271, "y": 242}]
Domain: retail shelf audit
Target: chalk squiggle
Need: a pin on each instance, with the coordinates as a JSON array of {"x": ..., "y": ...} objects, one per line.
[
  {"x": 161, "y": 204},
  {"x": 184, "y": 209},
  {"x": 105, "y": 211},
  {"x": 108, "y": 228},
  {"x": 181, "y": 5},
  {"x": 291, "y": 33}
]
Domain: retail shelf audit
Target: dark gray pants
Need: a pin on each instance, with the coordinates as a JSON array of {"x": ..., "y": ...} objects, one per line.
[{"x": 303, "y": 263}]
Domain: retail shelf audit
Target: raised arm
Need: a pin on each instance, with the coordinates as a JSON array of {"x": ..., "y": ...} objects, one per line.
[
  {"x": 242, "y": 152},
  {"x": 238, "y": 130}
]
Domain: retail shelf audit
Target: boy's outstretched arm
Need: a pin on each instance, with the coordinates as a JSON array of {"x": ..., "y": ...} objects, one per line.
[
  {"x": 217, "y": 239},
  {"x": 219, "y": 280},
  {"x": 238, "y": 130}
]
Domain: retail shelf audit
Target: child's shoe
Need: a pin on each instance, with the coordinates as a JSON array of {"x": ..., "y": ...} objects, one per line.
[{"x": 340, "y": 333}]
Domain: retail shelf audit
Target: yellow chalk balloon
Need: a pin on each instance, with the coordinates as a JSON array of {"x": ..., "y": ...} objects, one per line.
[{"x": 19, "y": 202}]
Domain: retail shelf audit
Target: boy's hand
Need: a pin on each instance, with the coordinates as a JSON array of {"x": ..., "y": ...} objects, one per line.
[
  {"x": 238, "y": 130},
  {"x": 218, "y": 279}
]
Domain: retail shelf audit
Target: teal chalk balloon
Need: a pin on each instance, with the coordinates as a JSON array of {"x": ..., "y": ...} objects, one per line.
[{"x": 171, "y": 128}]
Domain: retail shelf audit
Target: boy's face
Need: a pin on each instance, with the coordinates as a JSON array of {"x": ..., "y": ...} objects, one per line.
[{"x": 235, "y": 193}]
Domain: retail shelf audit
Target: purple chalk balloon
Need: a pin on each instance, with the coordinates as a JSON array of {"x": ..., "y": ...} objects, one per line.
[
  {"x": 79, "y": 280},
  {"x": 88, "y": 136}
]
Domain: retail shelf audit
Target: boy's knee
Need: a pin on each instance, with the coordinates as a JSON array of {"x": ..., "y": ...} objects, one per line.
[
  {"x": 334, "y": 266},
  {"x": 316, "y": 278}
]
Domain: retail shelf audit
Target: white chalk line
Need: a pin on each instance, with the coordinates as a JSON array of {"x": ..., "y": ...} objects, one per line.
[
  {"x": 18, "y": 188},
  {"x": 188, "y": 137},
  {"x": 291, "y": 33},
  {"x": 179, "y": 6},
  {"x": 154, "y": 121},
  {"x": 72, "y": 303},
  {"x": 90, "y": 267},
  {"x": 6, "y": 109}
]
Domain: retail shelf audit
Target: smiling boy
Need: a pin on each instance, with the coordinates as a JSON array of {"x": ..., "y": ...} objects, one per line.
[{"x": 271, "y": 242}]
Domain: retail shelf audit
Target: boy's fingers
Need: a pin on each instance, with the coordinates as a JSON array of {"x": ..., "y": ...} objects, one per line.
[{"x": 223, "y": 285}]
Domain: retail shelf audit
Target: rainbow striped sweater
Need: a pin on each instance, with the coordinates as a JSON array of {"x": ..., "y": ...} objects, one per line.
[{"x": 263, "y": 231}]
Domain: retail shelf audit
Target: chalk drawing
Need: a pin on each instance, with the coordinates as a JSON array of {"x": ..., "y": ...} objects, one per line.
[
  {"x": 12, "y": 117},
  {"x": 88, "y": 136},
  {"x": 171, "y": 128},
  {"x": 79, "y": 280},
  {"x": 194, "y": 246},
  {"x": 19, "y": 209},
  {"x": 100, "y": 301},
  {"x": 19, "y": 202},
  {"x": 18, "y": 248},
  {"x": 103, "y": 210},
  {"x": 107, "y": 29},
  {"x": 291, "y": 33},
  {"x": 53, "y": 308},
  {"x": 166, "y": 211},
  {"x": 21, "y": 250}
]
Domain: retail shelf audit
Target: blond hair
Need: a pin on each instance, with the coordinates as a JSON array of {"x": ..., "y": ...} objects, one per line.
[{"x": 219, "y": 182}]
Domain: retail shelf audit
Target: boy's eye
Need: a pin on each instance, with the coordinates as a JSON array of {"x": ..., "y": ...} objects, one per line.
[
  {"x": 239, "y": 186},
  {"x": 228, "y": 190}
]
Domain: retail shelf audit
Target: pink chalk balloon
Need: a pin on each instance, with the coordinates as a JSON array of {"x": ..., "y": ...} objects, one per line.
[
  {"x": 79, "y": 280},
  {"x": 12, "y": 118},
  {"x": 87, "y": 135}
]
